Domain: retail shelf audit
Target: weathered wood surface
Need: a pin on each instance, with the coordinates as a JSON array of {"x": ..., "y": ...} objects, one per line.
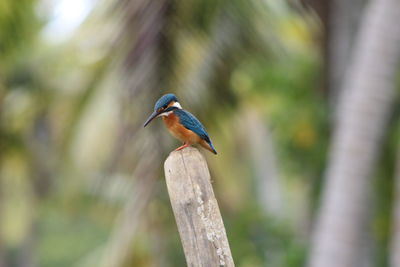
[{"x": 196, "y": 210}]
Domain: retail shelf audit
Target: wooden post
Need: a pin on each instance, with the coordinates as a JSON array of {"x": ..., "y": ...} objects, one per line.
[{"x": 196, "y": 210}]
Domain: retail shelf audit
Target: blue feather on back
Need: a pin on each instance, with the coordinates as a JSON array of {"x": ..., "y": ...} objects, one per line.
[{"x": 189, "y": 121}]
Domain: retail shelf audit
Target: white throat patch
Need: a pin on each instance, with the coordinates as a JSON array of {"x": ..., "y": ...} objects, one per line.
[{"x": 165, "y": 113}]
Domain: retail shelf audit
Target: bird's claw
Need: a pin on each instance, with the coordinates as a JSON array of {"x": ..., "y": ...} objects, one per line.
[{"x": 181, "y": 147}]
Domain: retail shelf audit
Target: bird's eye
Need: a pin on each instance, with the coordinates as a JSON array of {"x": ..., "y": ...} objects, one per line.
[{"x": 165, "y": 106}]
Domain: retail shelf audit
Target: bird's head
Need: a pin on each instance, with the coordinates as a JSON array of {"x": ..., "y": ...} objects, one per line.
[{"x": 163, "y": 107}]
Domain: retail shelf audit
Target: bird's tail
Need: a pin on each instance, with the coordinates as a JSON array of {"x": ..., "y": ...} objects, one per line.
[{"x": 209, "y": 146}]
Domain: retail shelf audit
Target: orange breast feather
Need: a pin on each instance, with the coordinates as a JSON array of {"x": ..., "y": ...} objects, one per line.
[{"x": 179, "y": 131}]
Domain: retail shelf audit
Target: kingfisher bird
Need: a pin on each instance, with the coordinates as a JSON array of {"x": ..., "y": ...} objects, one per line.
[{"x": 181, "y": 123}]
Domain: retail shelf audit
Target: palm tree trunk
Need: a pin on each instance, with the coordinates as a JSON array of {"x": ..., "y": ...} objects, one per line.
[
  {"x": 343, "y": 23},
  {"x": 364, "y": 108},
  {"x": 143, "y": 34}
]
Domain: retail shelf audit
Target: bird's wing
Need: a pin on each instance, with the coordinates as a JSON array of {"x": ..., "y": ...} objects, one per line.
[{"x": 192, "y": 123}]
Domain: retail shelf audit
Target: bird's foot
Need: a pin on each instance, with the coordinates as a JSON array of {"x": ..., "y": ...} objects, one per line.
[{"x": 181, "y": 147}]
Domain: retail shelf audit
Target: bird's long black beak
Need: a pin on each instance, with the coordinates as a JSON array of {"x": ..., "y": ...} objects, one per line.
[{"x": 152, "y": 116}]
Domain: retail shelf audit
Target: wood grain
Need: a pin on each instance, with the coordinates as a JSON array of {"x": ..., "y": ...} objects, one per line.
[{"x": 196, "y": 210}]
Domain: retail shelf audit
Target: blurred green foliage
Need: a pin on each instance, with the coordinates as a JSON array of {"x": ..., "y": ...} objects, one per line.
[{"x": 70, "y": 140}]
